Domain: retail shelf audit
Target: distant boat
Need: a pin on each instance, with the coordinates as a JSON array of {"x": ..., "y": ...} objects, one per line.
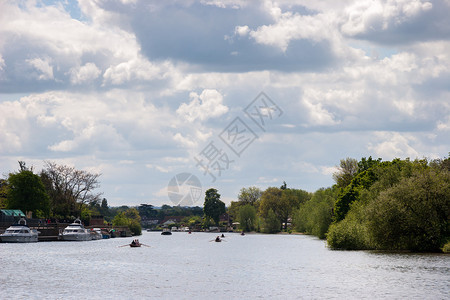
[
  {"x": 19, "y": 233},
  {"x": 166, "y": 231},
  {"x": 76, "y": 232}
]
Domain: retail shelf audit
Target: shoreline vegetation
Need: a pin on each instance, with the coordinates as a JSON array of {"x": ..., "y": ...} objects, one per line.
[{"x": 398, "y": 205}]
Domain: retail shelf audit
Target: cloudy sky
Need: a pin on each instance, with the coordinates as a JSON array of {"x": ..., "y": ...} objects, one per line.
[{"x": 141, "y": 91}]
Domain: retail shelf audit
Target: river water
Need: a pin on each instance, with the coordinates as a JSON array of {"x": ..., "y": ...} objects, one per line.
[{"x": 190, "y": 266}]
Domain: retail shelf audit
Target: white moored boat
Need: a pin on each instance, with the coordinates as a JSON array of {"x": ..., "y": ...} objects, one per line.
[
  {"x": 19, "y": 233},
  {"x": 76, "y": 232}
]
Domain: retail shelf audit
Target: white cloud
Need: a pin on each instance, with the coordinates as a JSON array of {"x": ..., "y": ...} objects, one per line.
[
  {"x": 137, "y": 102},
  {"x": 363, "y": 16},
  {"x": 241, "y": 30},
  {"x": 43, "y": 66},
  {"x": 290, "y": 27},
  {"x": 202, "y": 107},
  {"x": 394, "y": 145},
  {"x": 318, "y": 116},
  {"x": 84, "y": 73}
]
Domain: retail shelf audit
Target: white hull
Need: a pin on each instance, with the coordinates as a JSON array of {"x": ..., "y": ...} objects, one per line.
[
  {"x": 19, "y": 233},
  {"x": 76, "y": 237},
  {"x": 76, "y": 232},
  {"x": 19, "y": 239}
]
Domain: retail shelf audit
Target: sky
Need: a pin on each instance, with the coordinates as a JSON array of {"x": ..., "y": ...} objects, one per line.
[{"x": 164, "y": 96}]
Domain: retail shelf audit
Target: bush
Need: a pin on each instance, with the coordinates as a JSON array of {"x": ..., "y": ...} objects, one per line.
[
  {"x": 347, "y": 235},
  {"x": 446, "y": 248},
  {"x": 350, "y": 233}
]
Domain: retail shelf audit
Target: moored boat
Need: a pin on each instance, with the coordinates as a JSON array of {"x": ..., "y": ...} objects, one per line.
[
  {"x": 96, "y": 234},
  {"x": 19, "y": 233},
  {"x": 76, "y": 232}
]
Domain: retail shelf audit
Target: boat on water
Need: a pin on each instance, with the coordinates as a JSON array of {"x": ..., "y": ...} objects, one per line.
[
  {"x": 75, "y": 232},
  {"x": 166, "y": 231},
  {"x": 135, "y": 243},
  {"x": 19, "y": 233},
  {"x": 96, "y": 234}
]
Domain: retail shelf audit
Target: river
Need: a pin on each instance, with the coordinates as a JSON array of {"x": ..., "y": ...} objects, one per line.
[{"x": 192, "y": 266}]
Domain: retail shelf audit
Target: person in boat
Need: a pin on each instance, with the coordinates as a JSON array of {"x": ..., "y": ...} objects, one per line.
[
  {"x": 133, "y": 242},
  {"x": 242, "y": 233},
  {"x": 223, "y": 235},
  {"x": 218, "y": 239}
]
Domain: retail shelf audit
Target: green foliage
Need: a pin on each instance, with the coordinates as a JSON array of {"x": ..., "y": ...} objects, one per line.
[
  {"x": 315, "y": 216},
  {"x": 348, "y": 168},
  {"x": 213, "y": 207},
  {"x": 120, "y": 220},
  {"x": 350, "y": 233},
  {"x": 27, "y": 193},
  {"x": 271, "y": 222},
  {"x": 207, "y": 222},
  {"x": 247, "y": 217},
  {"x": 282, "y": 202},
  {"x": 4, "y": 186},
  {"x": 135, "y": 227},
  {"x": 413, "y": 214},
  {"x": 446, "y": 248},
  {"x": 85, "y": 214},
  {"x": 194, "y": 221},
  {"x": 130, "y": 218},
  {"x": 351, "y": 193},
  {"x": 250, "y": 195},
  {"x": 397, "y": 205},
  {"x": 233, "y": 209}
]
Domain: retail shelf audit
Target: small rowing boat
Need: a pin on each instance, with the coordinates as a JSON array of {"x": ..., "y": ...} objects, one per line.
[{"x": 135, "y": 243}]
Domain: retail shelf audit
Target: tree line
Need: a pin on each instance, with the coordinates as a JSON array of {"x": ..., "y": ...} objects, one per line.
[
  {"x": 401, "y": 204},
  {"x": 58, "y": 191}
]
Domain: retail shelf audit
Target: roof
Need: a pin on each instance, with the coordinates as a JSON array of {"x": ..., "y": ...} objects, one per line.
[
  {"x": 12, "y": 212},
  {"x": 172, "y": 219}
]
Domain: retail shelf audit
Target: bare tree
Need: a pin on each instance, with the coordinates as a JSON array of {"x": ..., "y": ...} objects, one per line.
[{"x": 69, "y": 187}]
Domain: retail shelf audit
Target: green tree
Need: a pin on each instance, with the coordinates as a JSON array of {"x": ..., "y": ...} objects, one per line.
[
  {"x": 247, "y": 217},
  {"x": 351, "y": 192},
  {"x": 213, "y": 207},
  {"x": 27, "y": 193},
  {"x": 130, "y": 218},
  {"x": 413, "y": 214},
  {"x": 3, "y": 193},
  {"x": 271, "y": 201},
  {"x": 233, "y": 209},
  {"x": 282, "y": 202},
  {"x": 347, "y": 170},
  {"x": 250, "y": 195},
  {"x": 315, "y": 215},
  {"x": 271, "y": 222}
]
